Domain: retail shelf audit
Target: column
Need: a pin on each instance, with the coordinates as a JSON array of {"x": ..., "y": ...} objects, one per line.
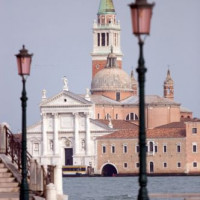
[
  {"x": 87, "y": 120},
  {"x": 58, "y": 180},
  {"x": 44, "y": 134},
  {"x": 76, "y": 134},
  {"x": 55, "y": 135}
]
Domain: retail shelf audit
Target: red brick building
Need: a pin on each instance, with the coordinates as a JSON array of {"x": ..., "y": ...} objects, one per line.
[{"x": 171, "y": 149}]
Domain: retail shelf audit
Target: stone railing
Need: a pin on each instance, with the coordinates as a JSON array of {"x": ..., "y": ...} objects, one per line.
[
  {"x": 38, "y": 176},
  {"x": 44, "y": 180}
]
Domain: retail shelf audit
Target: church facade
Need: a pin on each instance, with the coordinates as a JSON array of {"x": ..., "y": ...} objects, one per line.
[{"x": 72, "y": 126}]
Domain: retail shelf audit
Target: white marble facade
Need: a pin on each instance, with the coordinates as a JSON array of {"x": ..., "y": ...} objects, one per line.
[{"x": 66, "y": 124}]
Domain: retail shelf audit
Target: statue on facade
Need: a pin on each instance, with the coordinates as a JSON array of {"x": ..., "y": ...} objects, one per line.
[{"x": 65, "y": 81}]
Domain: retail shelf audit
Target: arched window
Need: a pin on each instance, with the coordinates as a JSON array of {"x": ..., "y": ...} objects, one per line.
[
  {"x": 107, "y": 116},
  {"x": 151, "y": 146},
  {"x": 131, "y": 116}
]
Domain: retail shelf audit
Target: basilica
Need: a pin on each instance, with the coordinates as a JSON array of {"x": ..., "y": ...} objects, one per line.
[{"x": 99, "y": 129}]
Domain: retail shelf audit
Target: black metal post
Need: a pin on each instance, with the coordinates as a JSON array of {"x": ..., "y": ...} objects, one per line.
[
  {"x": 143, "y": 193},
  {"x": 24, "y": 191}
]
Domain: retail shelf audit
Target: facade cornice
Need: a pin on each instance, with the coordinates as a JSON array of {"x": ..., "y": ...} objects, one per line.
[{"x": 66, "y": 106}]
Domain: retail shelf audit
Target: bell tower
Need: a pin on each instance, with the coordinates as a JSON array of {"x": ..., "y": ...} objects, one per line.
[
  {"x": 134, "y": 84},
  {"x": 169, "y": 87},
  {"x": 106, "y": 33}
]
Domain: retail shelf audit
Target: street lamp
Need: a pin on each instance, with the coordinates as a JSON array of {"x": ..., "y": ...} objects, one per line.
[
  {"x": 141, "y": 12},
  {"x": 24, "y": 65}
]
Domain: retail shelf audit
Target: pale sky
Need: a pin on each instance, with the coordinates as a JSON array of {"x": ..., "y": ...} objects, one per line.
[{"x": 59, "y": 34}]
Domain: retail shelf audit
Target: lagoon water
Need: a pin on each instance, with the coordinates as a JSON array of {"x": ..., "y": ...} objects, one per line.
[{"x": 126, "y": 188}]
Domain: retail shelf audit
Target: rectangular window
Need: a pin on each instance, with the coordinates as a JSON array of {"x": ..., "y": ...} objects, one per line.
[
  {"x": 194, "y": 148},
  {"x": 137, "y": 165},
  {"x": 178, "y": 164},
  {"x": 156, "y": 149},
  {"x": 164, "y": 148},
  {"x": 104, "y": 149},
  {"x": 125, "y": 148},
  {"x": 178, "y": 148},
  {"x": 165, "y": 165},
  {"x": 125, "y": 165},
  {"x": 117, "y": 96},
  {"x": 113, "y": 149},
  {"x": 98, "y": 116},
  {"x": 194, "y": 130},
  {"x": 137, "y": 148},
  {"x": 103, "y": 42},
  {"x": 98, "y": 39},
  {"x": 116, "y": 116},
  {"x": 194, "y": 164},
  {"x": 36, "y": 147}
]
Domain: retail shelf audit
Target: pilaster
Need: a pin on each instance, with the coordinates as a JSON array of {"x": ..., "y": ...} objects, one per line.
[
  {"x": 55, "y": 135},
  {"x": 44, "y": 134},
  {"x": 88, "y": 135},
  {"x": 76, "y": 133}
]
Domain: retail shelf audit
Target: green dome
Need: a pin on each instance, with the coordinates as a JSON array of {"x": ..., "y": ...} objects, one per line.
[{"x": 106, "y": 6}]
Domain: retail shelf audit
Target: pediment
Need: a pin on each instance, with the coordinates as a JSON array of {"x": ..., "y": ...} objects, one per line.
[
  {"x": 65, "y": 99},
  {"x": 35, "y": 128}
]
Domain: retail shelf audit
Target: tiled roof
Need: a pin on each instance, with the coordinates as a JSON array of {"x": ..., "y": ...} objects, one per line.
[
  {"x": 183, "y": 109},
  {"x": 133, "y": 100},
  {"x": 99, "y": 123},
  {"x": 99, "y": 99},
  {"x": 151, "y": 133},
  {"x": 180, "y": 124},
  {"x": 121, "y": 124}
]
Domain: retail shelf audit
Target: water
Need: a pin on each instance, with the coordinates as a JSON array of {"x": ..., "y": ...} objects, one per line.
[{"x": 126, "y": 188}]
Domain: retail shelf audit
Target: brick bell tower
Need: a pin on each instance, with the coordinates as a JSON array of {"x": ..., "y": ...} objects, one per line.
[
  {"x": 169, "y": 87},
  {"x": 106, "y": 33}
]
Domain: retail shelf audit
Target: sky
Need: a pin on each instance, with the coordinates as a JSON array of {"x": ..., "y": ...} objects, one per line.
[{"x": 59, "y": 34}]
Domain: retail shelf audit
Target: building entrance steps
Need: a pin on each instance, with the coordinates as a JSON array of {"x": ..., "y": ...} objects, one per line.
[
  {"x": 10, "y": 179},
  {"x": 9, "y": 186}
]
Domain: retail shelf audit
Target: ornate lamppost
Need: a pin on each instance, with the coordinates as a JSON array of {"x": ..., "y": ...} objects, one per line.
[
  {"x": 24, "y": 65},
  {"x": 141, "y": 13}
]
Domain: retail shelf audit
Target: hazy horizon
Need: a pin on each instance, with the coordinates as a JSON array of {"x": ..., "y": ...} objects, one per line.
[{"x": 59, "y": 34}]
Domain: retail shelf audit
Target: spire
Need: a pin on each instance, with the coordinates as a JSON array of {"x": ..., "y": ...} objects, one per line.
[
  {"x": 169, "y": 86},
  {"x": 134, "y": 84},
  {"x": 169, "y": 78},
  {"x": 106, "y": 6}
]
